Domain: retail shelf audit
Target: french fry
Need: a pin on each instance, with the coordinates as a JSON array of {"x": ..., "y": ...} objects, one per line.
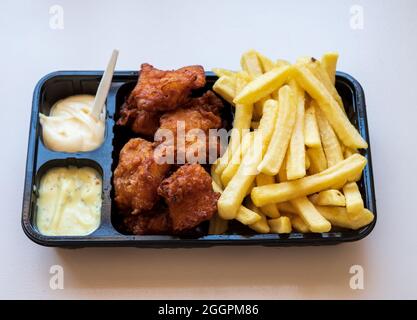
[
  {"x": 263, "y": 85},
  {"x": 286, "y": 207},
  {"x": 225, "y": 86},
  {"x": 217, "y": 225},
  {"x": 269, "y": 210},
  {"x": 299, "y": 224},
  {"x": 234, "y": 162},
  {"x": 338, "y": 217},
  {"x": 354, "y": 202},
  {"x": 251, "y": 64},
  {"x": 310, "y": 215},
  {"x": 260, "y": 226},
  {"x": 223, "y": 72},
  {"x": 241, "y": 122},
  {"x": 307, "y": 161},
  {"x": 320, "y": 73},
  {"x": 330, "y": 143},
  {"x": 296, "y": 160},
  {"x": 318, "y": 161},
  {"x": 329, "y": 62},
  {"x": 282, "y": 174},
  {"x": 235, "y": 191},
  {"x": 274, "y": 156},
  {"x": 267, "y": 64},
  {"x": 282, "y": 63},
  {"x": 258, "y": 107},
  {"x": 342, "y": 172},
  {"x": 280, "y": 225},
  {"x": 214, "y": 176},
  {"x": 254, "y": 124},
  {"x": 247, "y": 216},
  {"x": 348, "y": 152},
  {"x": 244, "y": 215},
  {"x": 346, "y": 132},
  {"x": 242, "y": 118},
  {"x": 330, "y": 197},
  {"x": 311, "y": 128}
]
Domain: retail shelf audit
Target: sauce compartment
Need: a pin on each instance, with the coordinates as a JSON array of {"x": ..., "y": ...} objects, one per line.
[
  {"x": 62, "y": 84},
  {"x": 64, "y": 163}
]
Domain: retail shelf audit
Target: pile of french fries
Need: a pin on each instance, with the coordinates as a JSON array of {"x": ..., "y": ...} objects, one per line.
[{"x": 292, "y": 161}]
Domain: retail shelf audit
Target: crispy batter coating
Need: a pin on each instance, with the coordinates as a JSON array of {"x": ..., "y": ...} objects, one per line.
[
  {"x": 190, "y": 197},
  {"x": 140, "y": 121},
  {"x": 159, "y": 90},
  {"x": 154, "y": 223},
  {"x": 137, "y": 177},
  {"x": 199, "y": 113}
]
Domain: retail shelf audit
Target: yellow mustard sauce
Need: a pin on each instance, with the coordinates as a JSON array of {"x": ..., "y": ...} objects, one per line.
[{"x": 69, "y": 202}]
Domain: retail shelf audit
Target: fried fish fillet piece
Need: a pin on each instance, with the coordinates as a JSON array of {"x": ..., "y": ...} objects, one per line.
[
  {"x": 137, "y": 177},
  {"x": 153, "y": 223},
  {"x": 140, "y": 121},
  {"x": 159, "y": 90},
  {"x": 201, "y": 113},
  {"x": 189, "y": 195}
]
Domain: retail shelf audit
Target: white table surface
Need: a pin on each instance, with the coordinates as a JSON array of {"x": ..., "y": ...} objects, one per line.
[{"x": 169, "y": 34}]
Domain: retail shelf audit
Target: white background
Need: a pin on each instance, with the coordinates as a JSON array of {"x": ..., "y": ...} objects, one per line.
[{"x": 170, "y": 34}]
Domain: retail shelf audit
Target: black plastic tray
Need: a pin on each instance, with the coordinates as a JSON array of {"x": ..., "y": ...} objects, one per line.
[{"x": 62, "y": 84}]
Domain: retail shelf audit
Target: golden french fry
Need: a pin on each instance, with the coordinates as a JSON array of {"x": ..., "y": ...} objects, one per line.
[
  {"x": 296, "y": 160},
  {"x": 286, "y": 207},
  {"x": 263, "y": 85},
  {"x": 310, "y": 215},
  {"x": 339, "y": 217},
  {"x": 311, "y": 128},
  {"x": 282, "y": 63},
  {"x": 223, "y": 72},
  {"x": 282, "y": 173},
  {"x": 330, "y": 143},
  {"x": 225, "y": 86},
  {"x": 330, "y": 197},
  {"x": 234, "y": 162},
  {"x": 318, "y": 161},
  {"x": 247, "y": 216},
  {"x": 344, "y": 171},
  {"x": 354, "y": 202},
  {"x": 260, "y": 226},
  {"x": 233, "y": 195},
  {"x": 307, "y": 161},
  {"x": 329, "y": 62},
  {"x": 346, "y": 132},
  {"x": 266, "y": 63},
  {"x": 280, "y": 225},
  {"x": 214, "y": 176},
  {"x": 241, "y": 123},
  {"x": 274, "y": 156},
  {"x": 269, "y": 210},
  {"x": 251, "y": 64},
  {"x": 217, "y": 225},
  {"x": 296, "y": 222},
  {"x": 320, "y": 73},
  {"x": 244, "y": 215},
  {"x": 349, "y": 151}
]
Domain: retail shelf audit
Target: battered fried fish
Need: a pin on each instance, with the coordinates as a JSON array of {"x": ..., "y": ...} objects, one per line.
[
  {"x": 190, "y": 197},
  {"x": 140, "y": 121},
  {"x": 159, "y": 90},
  {"x": 154, "y": 223},
  {"x": 137, "y": 177},
  {"x": 199, "y": 113}
]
